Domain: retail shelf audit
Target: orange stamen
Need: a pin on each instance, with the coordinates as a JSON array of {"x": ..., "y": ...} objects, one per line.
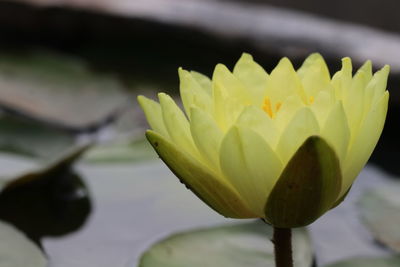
[{"x": 267, "y": 107}]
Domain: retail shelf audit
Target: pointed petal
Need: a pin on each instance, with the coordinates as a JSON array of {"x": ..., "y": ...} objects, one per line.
[
  {"x": 376, "y": 88},
  {"x": 353, "y": 101},
  {"x": 206, "y": 135},
  {"x": 176, "y": 124},
  {"x": 203, "y": 81},
  {"x": 152, "y": 111},
  {"x": 215, "y": 192},
  {"x": 257, "y": 120},
  {"x": 341, "y": 81},
  {"x": 322, "y": 105},
  {"x": 283, "y": 82},
  {"x": 250, "y": 165},
  {"x": 233, "y": 86},
  {"x": 303, "y": 125},
  {"x": 289, "y": 108},
  {"x": 367, "y": 69},
  {"x": 314, "y": 74},
  {"x": 365, "y": 141},
  {"x": 192, "y": 93},
  {"x": 336, "y": 131},
  {"x": 307, "y": 188},
  {"x": 226, "y": 108},
  {"x": 253, "y": 76}
]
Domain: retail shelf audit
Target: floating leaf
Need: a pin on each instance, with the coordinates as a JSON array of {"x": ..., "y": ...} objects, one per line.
[
  {"x": 51, "y": 200},
  {"x": 246, "y": 244},
  {"x": 16, "y": 250},
  {"x": 380, "y": 212},
  {"x": 122, "y": 151},
  {"x": 127, "y": 142},
  {"x": 22, "y": 136},
  {"x": 369, "y": 262},
  {"x": 58, "y": 89}
]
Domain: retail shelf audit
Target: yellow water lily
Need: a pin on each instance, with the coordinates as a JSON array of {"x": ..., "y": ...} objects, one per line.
[{"x": 284, "y": 146}]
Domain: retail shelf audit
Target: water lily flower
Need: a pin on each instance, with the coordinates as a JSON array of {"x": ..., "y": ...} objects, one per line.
[{"x": 284, "y": 146}]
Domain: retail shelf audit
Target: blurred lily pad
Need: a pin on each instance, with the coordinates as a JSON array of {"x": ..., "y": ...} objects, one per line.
[
  {"x": 369, "y": 262},
  {"x": 59, "y": 90},
  {"x": 380, "y": 212},
  {"x": 17, "y": 171},
  {"x": 126, "y": 143},
  {"x": 121, "y": 151},
  {"x": 48, "y": 200},
  {"x": 27, "y": 137},
  {"x": 16, "y": 250},
  {"x": 246, "y": 244}
]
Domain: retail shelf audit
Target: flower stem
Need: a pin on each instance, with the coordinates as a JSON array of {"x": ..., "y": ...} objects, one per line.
[{"x": 283, "y": 247}]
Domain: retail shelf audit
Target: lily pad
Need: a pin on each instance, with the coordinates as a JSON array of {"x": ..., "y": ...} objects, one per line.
[
  {"x": 126, "y": 142},
  {"x": 20, "y": 171},
  {"x": 380, "y": 212},
  {"x": 16, "y": 250},
  {"x": 246, "y": 244},
  {"x": 369, "y": 262},
  {"x": 59, "y": 90},
  {"x": 47, "y": 200},
  {"x": 121, "y": 151},
  {"x": 31, "y": 138}
]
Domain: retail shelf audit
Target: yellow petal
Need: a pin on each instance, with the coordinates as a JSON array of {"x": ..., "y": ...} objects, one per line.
[
  {"x": 365, "y": 141},
  {"x": 303, "y": 125},
  {"x": 253, "y": 76},
  {"x": 176, "y": 124},
  {"x": 192, "y": 93},
  {"x": 257, "y": 120},
  {"x": 308, "y": 187},
  {"x": 336, "y": 131},
  {"x": 314, "y": 74},
  {"x": 206, "y": 135},
  {"x": 226, "y": 108},
  {"x": 283, "y": 82},
  {"x": 367, "y": 69},
  {"x": 250, "y": 165},
  {"x": 203, "y": 81},
  {"x": 233, "y": 86},
  {"x": 152, "y": 111},
  {"x": 353, "y": 101},
  {"x": 210, "y": 188},
  {"x": 342, "y": 79},
  {"x": 289, "y": 107},
  {"x": 322, "y": 105},
  {"x": 376, "y": 88}
]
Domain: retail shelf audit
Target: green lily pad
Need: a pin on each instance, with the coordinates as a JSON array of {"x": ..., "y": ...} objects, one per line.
[
  {"x": 127, "y": 143},
  {"x": 16, "y": 250},
  {"x": 369, "y": 262},
  {"x": 20, "y": 170},
  {"x": 47, "y": 200},
  {"x": 246, "y": 244},
  {"x": 380, "y": 212},
  {"x": 60, "y": 165},
  {"x": 31, "y": 138},
  {"x": 59, "y": 90},
  {"x": 121, "y": 151}
]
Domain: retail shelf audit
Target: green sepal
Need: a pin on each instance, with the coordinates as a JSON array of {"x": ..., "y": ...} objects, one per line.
[
  {"x": 216, "y": 193},
  {"x": 308, "y": 186}
]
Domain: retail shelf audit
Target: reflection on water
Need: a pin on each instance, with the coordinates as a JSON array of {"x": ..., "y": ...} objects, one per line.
[{"x": 52, "y": 206}]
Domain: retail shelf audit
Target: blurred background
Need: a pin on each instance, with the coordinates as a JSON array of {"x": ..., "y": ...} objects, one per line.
[{"x": 70, "y": 71}]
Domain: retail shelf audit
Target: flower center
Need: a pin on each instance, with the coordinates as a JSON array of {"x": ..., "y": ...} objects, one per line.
[{"x": 271, "y": 110}]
